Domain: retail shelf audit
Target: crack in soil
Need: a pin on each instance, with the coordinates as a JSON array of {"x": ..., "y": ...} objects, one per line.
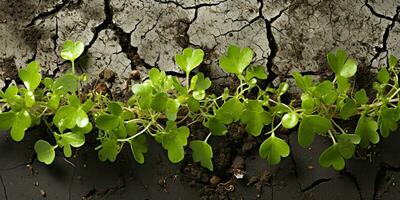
[
  {"x": 197, "y": 6},
  {"x": 381, "y": 183},
  {"x": 4, "y": 187},
  {"x": 316, "y": 183},
  {"x": 379, "y": 15},
  {"x": 94, "y": 194},
  {"x": 51, "y": 12},
  {"x": 354, "y": 181},
  {"x": 383, "y": 49},
  {"x": 296, "y": 173}
]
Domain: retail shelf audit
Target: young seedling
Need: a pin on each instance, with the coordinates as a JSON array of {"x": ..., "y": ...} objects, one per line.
[{"x": 163, "y": 108}]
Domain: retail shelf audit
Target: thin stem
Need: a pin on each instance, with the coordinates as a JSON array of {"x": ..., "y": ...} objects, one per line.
[
  {"x": 187, "y": 81},
  {"x": 208, "y": 136},
  {"x": 137, "y": 134},
  {"x": 73, "y": 66},
  {"x": 337, "y": 126},
  {"x": 395, "y": 93},
  {"x": 332, "y": 137}
]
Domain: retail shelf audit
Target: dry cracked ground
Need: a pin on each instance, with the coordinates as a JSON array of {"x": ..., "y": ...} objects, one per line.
[{"x": 127, "y": 35}]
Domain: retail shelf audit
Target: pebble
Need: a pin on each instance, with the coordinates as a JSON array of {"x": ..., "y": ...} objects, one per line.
[{"x": 215, "y": 180}]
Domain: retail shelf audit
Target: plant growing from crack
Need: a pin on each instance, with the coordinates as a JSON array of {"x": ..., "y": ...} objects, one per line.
[{"x": 162, "y": 107}]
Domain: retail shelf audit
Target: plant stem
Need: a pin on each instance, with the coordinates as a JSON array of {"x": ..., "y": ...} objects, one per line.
[
  {"x": 208, "y": 136},
  {"x": 332, "y": 137},
  {"x": 137, "y": 134},
  {"x": 73, "y": 66}
]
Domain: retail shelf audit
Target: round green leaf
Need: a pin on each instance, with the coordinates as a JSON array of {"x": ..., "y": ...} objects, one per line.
[
  {"x": 189, "y": 59},
  {"x": 236, "y": 59},
  {"x": 107, "y": 122},
  {"x": 202, "y": 152},
  {"x": 273, "y": 148},
  {"x": 45, "y": 152},
  {"x": 290, "y": 120},
  {"x": 72, "y": 50}
]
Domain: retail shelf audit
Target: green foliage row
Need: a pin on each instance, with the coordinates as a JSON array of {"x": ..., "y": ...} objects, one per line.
[{"x": 162, "y": 107}]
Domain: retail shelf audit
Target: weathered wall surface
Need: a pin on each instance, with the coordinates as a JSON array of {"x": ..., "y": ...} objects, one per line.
[{"x": 124, "y": 35}]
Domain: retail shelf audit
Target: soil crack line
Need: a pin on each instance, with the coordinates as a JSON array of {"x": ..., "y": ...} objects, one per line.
[
  {"x": 4, "y": 187},
  {"x": 53, "y": 11},
  {"x": 316, "y": 183}
]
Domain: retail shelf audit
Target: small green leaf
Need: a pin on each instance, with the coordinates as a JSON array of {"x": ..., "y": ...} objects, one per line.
[
  {"x": 21, "y": 123},
  {"x": 282, "y": 89},
  {"x": 361, "y": 97},
  {"x": 144, "y": 92},
  {"x": 307, "y": 102},
  {"x": 173, "y": 139},
  {"x": 114, "y": 108},
  {"x": 31, "y": 75},
  {"x": 202, "y": 152},
  {"x": 332, "y": 157},
  {"x": 74, "y": 139},
  {"x": 326, "y": 91},
  {"x": 109, "y": 150},
  {"x": 198, "y": 82},
  {"x": 388, "y": 120},
  {"x": 65, "y": 117},
  {"x": 54, "y": 101},
  {"x": 236, "y": 59},
  {"x": 256, "y": 72},
  {"x": 392, "y": 61},
  {"x": 107, "y": 122},
  {"x": 15, "y": 101},
  {"x": 131, "y": 128},
  {"x": 230, "y": 111},
  {"x": 138, "y": 147},
  {"x": 303, "y": 82},
  {"x": 349, "y": 109},
  {"x": 172, "y": 109},
  {"x": 272, "y": 149},
  {"x": 159, "y": 102},
  {"x": 193, "y": 104},
  {"x": 346, "y": 149},
  {"x": 66, "y": 83},
  {"x": 311, "y": 125},
  {"x": 216, "y": 127},
  {"x": 45, "y": 152},
  {"x": 366, "y": 129},
  {"x": 290, "y": 120},
  {"x": 189, "y": 59},
  {"x": 341, "y": 64},
  {"x": 7, "y": 119},
  {"x": 353, "y": 138},
  {"x": 83, "y": 130},
  {"x": 156, "y": 76},
  {"x": 343, "y": 84},
  {"x": 255, "y": 117},
  {"x": 72, "y": 50},
  {"x": 383, "y": 76},
  {"x": 87, "y": 105},
  {"x": 81, "y": 118},
  {"x": 199, "y": 94}
]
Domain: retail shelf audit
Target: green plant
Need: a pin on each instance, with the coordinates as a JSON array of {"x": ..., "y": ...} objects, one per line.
[{"x": 163, "y": 108}]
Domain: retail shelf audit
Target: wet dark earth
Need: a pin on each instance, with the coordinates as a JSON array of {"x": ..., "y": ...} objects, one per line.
[{"x": 372, "y": 174}]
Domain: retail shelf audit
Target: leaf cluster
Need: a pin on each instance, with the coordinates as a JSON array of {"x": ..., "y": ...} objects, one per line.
[{"x": 163, "y": 107}]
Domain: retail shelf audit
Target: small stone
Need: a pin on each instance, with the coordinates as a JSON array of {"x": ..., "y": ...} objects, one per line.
[
  {"x": 108, "y": 74},
  {"x": 43, "y": 193},
  {"x": 215, "y": 180},
  {"x": 135, "y": 75}
]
